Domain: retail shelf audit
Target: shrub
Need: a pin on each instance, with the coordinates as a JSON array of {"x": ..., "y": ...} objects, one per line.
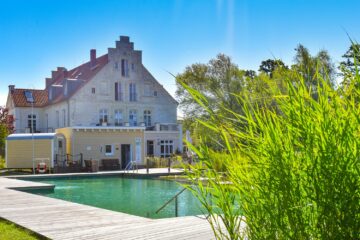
[{"x": 292, "y": 171}]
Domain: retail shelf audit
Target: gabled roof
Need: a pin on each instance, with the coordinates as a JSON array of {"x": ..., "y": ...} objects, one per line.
[
  {"x": 83, "y": 73},
  {"x": 19, "y": 98}
]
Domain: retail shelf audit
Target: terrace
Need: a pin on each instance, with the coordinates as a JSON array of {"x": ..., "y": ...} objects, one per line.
[{"x": 59, "y": 219}]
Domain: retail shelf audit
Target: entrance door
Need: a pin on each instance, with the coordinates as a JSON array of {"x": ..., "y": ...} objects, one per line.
[
  {"x": 125, "y": 155},
  {"x": 150, "y": 148},
  {"x": 60, "y": 154}
]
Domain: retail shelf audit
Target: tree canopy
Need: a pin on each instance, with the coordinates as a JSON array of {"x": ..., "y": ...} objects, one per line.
[
  {"x": 270, "y": 65},
  {"x": 6, "y": 127},
  {"x": 351, "y": 59},
  {"x": 225, "y": 85}
]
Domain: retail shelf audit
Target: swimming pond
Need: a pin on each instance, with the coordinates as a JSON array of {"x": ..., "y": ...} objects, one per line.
[{"x": 141, "y": 197}]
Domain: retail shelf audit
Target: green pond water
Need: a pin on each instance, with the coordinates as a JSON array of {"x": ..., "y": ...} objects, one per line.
[{"x": 141, "y": 197}]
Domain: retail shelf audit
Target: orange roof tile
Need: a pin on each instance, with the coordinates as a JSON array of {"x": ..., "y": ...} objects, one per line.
[
  {"x": 84, "y": 72},
  {"x": 40, "y": 97}
]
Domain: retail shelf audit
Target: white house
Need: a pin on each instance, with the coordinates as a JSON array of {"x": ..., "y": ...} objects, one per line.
[{"x": 112, "y": 91}]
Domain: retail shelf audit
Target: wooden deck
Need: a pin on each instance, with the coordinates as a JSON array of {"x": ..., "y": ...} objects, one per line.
[{"x": 58, "y": 219}]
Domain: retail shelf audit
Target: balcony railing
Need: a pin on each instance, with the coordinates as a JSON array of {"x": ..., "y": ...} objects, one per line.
[
  {"x": 37, "y": 130},
  {"x": 164, "y": 127}
]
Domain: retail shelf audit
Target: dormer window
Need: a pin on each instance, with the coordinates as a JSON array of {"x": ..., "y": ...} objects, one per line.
[{"x": 29, "y": 96}]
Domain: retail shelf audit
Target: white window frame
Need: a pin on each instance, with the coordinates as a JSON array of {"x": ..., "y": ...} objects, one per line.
[
  {"x": 32, "y": 122},
  {"x": 133, "y": 117},
  {"x": 147, "y": 118},
  {"x": 112, "y": 150},
  {"x": 168, "y": 145},
  {"x": 103, "y": 116},
  {"x": 118, "y": 121}
]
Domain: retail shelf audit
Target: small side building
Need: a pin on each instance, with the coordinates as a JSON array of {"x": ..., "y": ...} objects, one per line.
[
  {"x": 26, "y": 150},
  {"x": 125, "y": 144}
]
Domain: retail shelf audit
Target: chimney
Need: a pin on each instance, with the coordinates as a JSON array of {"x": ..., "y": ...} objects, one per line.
[
  {"x": 11, "y": 88},
  {"x": 53, "y": 74},
  {"x": 48, "y": 82},
  {"x": 125, "y": 39},
  {"x": 92, "y": 57},
  {"x": 62, "y": 72}
]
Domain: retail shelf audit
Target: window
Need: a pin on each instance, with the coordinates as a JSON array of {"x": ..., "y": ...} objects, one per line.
[
  {"x": 150, "y": 148},
  {"x": 155, "y": 93},
  {"x": 64, "y": 118},
  {"x": 118, "y": 92},
  {"x": 166, "y": 148},
  {"x": 109, "y": 150},
  {"x": 57, "y": 119},
  {"x": 116, "y": 65},
  {"x": 32, "y": 122},
  {"x": 124, "y": 68},
  {"x": 93, "y": 90},
  {"x": 118, "y": 117},
  {"x": 132, "y": 92},
  {"x": 29, "y": 96},
  {"x": 103, "y": 116},
  {"x": 147, "y": 118},
  {"x": 133, "y": 67},
  {"x": 132, "y": 118}
]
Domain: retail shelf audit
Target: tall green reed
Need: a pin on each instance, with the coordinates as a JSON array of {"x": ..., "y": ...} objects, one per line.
[{"x": 292, "y": 171}]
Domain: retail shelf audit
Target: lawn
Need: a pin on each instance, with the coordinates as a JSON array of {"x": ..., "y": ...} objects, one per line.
[{"x": 11, "y": 231}]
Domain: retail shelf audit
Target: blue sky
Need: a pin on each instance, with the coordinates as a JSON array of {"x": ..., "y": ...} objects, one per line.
[{"x": 38, "y": 36}]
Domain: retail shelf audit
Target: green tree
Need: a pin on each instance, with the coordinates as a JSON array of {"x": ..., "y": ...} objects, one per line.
[
  {"x": 314, "y": 68},
  {"x": 250, "y": 73},
  {"x": 217, "y": 80},
  {"x": 6, "y": 127},
  {"x": 268, "y": 66},
  {"x": 351, "y": 59}
]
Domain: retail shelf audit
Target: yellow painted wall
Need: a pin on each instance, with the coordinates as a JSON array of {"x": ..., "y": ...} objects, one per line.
[
  {"x": 91, "y": 142},
  {"x": 67, "y": 132},
  {"x": 20, "y": 152}
]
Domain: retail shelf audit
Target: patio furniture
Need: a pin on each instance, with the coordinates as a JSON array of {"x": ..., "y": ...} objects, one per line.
[
  {"x": 91, "y": 165},
  {"x": 110, "y": 164}
]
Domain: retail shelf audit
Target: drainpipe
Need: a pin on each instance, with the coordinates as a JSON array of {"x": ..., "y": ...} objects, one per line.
[{"x": 68, "y": 113}]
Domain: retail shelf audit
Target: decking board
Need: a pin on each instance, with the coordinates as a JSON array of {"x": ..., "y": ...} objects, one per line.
[{"x": 60, "y": 220}]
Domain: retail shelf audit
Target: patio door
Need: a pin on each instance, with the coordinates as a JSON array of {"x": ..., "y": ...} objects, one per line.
[
  {"x": 150, "y": 148},
  {"x": 125, "y": 155}
]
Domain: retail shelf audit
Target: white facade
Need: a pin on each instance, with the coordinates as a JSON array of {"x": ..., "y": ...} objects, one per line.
[{"x": 121, "y": 93}]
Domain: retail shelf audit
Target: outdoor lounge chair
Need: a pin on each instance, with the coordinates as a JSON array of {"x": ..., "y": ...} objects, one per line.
[{"x": 110, "y": 164}]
